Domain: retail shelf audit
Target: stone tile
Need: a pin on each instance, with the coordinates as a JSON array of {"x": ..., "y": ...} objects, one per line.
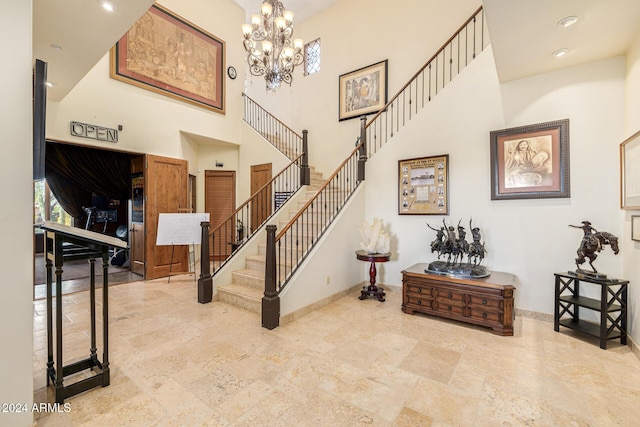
[{"x": 175, "y": 362}]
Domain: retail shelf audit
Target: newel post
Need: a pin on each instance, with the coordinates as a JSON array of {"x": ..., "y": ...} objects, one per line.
[
  {"x": 205, "y": 282},
  {"x": 305, "y": 172},
  {"x": 270, "y": 300},
  {"x": 362, "y": 153}
]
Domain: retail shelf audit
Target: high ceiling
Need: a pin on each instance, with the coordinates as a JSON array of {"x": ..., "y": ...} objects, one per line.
[
  {"x": 524, "y": 33},
  {"x": 302, "y": 9}
]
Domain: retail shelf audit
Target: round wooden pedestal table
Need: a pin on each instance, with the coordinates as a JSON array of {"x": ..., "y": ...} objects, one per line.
[{"x": 372, "y": 289}]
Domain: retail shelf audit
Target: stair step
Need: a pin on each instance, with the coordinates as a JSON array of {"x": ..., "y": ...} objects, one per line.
[
  {"x": 247, "y": 287},
  {"x": 242, "y": 296},
  {"x": 257, "y": 263},
  {"x": 250, "y": 278}
]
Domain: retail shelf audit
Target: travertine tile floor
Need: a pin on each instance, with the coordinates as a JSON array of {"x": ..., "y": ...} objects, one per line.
[{"x": 175, "y": 362}]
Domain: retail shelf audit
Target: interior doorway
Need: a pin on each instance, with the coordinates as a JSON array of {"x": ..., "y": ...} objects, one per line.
[
  {"x": 261, "y": 207},
  {"x": 220, "y": 203}
]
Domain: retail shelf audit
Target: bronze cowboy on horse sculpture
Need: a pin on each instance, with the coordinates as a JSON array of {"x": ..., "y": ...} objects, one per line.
[{"x": 593, "y": 242}]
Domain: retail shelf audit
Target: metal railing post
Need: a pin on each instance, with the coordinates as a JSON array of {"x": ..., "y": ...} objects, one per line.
[
  {"x": 305, "y": 172},
  {"x": 270, "y": 300},
  {"x": 205, "y": 282},
  {"x": 362, "y": 154}
]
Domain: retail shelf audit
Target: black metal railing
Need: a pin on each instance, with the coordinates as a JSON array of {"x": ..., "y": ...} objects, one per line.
[
  {"x": 225, "y": 239},
  {"x": 273, "y": 130},
  {"x": 240, "y": 226},
  {"x": 287, "y": 250},
  {"x": 440, "y": 69}
]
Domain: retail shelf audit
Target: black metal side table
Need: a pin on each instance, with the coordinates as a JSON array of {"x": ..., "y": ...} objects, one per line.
[{"x": 611, "y": 306}]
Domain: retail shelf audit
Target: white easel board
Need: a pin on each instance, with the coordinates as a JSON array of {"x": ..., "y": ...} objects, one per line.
[{"x": 180, "y": 228}]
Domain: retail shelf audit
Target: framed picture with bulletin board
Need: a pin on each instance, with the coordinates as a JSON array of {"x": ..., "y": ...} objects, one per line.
[{"x": 423, "y": 186}]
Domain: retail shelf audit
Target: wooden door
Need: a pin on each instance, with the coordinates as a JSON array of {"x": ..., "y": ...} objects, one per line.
[
  {"x": 136, "y": 217},
  {"x": 261, "y": 206},
  {"x": 165, "y": 192},
  {"x": 136, "y": 251},
  {"x": 220, "y": 203}
]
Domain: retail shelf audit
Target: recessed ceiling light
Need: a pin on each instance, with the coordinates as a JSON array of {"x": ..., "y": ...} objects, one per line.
[
  {"x": 560, "y": 52},
  {"x": 567, "y": 21},
  {"x": 107, "y": 5},
  {"x": 55, "y": 47}
]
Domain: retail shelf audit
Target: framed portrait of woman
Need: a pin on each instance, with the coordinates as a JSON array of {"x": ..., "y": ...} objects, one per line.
[{"x": 531, "y": 162}]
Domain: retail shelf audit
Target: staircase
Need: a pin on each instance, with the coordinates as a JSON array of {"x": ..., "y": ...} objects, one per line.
[
  {"x": 259, "y": 285},
  {"x": 247, "y": 287}
]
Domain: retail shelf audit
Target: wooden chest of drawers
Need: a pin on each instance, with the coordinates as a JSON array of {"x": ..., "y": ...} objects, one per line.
[{"x": 485, "y": 302}]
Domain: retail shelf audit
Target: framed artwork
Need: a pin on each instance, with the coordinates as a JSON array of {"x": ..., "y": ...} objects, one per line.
[
  {"x": 423, "y": 186},
  {"x": 635, "y": 228},
  {"x": 363, "y": 91},
  {"x": 630, "y": 172},
  {"x": 531, "y": 162},
  {"x": 166, "y": 54}
]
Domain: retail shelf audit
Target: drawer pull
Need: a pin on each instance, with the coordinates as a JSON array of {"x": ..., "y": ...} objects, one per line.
[
  {"x": 484, "y": 301},
  {"x": 484, "y": 315},
  {"x": 419, "y": 302},
  {"x": 419, "y": 290},
  {"x": 449, "y": 308},
  {"x": 450, "y": 296}
]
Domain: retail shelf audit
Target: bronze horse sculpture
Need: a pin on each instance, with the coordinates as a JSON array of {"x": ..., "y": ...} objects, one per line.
[{"x": 592, "y": 243}]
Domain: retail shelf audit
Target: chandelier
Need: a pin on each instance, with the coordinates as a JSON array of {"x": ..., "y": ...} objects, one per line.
[{"x": 271, "y": 31}]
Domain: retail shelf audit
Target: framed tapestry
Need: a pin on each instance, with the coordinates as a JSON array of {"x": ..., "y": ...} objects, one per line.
[
  {"x": 531, "y": 162},
  {"x": 630, "y": 172},
  {"x": 363, "y": 91},
  {"x": 167, "y": 54},
  {"x": 423, "y": 186}
]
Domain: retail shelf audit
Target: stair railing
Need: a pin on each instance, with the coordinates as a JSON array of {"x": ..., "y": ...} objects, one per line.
[
  {"x": 273, "y": 130},
  {"x": 226, "y": 238},
  {"x": 287, "y": 250},
  {"x": 456, "y": 53}
]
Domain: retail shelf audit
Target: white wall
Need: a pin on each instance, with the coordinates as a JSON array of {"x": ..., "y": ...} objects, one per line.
[
  {"x": 329, "y": 269},
  {"x": 368, "y": 25},
  {"x": 529, "y": 238},
  {"x": 631, "y": 249},
  {"x": 16, "y": 219},
  {"x": 152, "y": 123}
]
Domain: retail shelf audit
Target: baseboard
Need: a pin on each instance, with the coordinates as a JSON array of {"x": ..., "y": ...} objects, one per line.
[
  {"x": 634, "y": 347},
  {"x": 533, "y": 315},
  {"x": 316, "y": 305}
]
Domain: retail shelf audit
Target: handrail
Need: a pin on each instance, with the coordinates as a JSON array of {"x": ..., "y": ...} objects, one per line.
[
  {"x": 427, "y": 81},
  {"x": 321, "y": 189},
  {"x": 281, "y": 136},
  {"x": 242, "y": 224},
  {"x": 287, "y": 250}
]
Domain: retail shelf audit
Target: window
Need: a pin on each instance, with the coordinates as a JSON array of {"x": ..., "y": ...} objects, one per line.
[
  {"x": 312, "y": 57},
  {"x": 46, "y": 207}
]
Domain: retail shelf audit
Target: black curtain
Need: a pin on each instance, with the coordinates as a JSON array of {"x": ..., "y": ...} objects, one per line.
[{"x": 74, "y": 173}]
